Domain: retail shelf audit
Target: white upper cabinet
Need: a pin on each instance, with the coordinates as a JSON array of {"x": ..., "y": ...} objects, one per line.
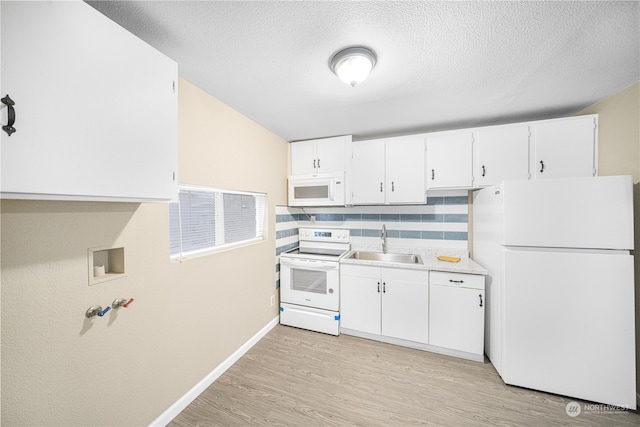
[
  {"x": 95, "y": 107},
  {"x": 367, "y": 182},
  {"x": 389, "y": 171},
  {"x": 404, "y": 169},
  {"x": 450, "y": 160},
  {"x": 325, "y": 155},
  {"x": 502, "y": 154},
  {"x": 565, "y": 147}
]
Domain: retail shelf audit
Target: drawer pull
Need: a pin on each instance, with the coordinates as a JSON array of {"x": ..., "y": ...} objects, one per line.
[{"x": 456, "y": 281}]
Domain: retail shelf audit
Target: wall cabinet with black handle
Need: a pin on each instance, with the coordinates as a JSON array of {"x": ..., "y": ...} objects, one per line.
[
  {"x": 389, "y": 171},
  {"x": 449, "y": 160},
  {"x": 326, "y": 155},
  {"x": 481, "y": 157},
  {"x": 94, "y": 111}
]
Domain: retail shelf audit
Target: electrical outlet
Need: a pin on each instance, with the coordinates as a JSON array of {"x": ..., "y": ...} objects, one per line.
[{"x": 273, "y": 300}]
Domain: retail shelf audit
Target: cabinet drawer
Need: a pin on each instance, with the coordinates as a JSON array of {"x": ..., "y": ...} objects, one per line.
[
  {"x": 359, "y": 271},
  {"x": 460, "y": 280},
  {"x": 405, "y": 275}
]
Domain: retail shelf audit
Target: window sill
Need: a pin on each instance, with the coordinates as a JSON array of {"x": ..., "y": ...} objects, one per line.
[{"x": 217, "y": 249}]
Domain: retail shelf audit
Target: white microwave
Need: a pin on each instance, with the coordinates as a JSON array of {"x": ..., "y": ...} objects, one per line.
[{"x": 324, "y": 189}]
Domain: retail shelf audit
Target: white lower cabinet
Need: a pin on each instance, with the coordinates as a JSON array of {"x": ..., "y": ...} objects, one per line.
[
  {"x": 360, "y": 299},
  {"x": 435, "y": 311},
  {"x": 456, "y": 311},
  {"x": 388, "y": 302}
]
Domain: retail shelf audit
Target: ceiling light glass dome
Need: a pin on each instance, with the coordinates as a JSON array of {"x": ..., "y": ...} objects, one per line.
[{"x": 353, "y": 64}]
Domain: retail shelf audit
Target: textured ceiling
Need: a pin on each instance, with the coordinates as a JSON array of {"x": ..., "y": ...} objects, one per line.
[{"x": 441, "y": 65}]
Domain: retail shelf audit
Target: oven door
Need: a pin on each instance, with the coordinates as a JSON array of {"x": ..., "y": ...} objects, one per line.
[{"x": 311, "y": 283}]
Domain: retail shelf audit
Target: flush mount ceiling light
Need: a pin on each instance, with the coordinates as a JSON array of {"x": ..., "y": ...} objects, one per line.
[{"x": 353, "y": 64}]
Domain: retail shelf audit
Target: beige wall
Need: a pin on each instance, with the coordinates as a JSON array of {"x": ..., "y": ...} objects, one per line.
[
  {"x": 126, "y": 368},
  {"x": 619, "y": 133},
  {"x": 619, "y": 154}
]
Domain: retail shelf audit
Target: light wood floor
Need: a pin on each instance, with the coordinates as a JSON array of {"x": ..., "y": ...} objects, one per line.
[{"x": 294, "y": 377}]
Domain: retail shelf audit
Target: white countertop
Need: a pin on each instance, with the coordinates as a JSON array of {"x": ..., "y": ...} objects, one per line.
[{"x": 429, "y": 258}]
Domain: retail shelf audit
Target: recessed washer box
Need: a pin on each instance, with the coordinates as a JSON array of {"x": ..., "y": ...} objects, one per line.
[{"x": 105, "y": 263}]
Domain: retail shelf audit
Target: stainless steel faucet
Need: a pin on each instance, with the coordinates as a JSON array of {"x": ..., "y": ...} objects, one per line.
[{"x": 383, "y": 236}]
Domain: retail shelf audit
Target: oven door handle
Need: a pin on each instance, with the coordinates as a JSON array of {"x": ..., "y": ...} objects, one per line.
[{"x": 309, "y": 264}]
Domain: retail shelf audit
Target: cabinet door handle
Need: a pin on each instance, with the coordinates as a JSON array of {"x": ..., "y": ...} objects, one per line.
[
  {"x": 433, "y": 174},
  {"x": 541, "y": 166},
  {"x": 480, "y": 300},
  {"x": 456, "y": 281},
  {"x": 318, "y": 163},
  {"x": 11, "y": 115},
  {"x": 483, "y": 170},
  {"x": 378, "y": 287},
  {"x": 384, "y": 287},
  {"x": 314, "y": 163},
  {"x": 393, "y": 187},
  {"x": 381, "y": 187}
]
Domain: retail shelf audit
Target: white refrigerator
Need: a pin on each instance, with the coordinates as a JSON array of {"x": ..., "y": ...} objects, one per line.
[{"x": 560, "y": 290}]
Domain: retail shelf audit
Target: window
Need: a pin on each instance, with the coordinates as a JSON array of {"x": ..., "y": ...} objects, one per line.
[{"x": 206, "y": 219}]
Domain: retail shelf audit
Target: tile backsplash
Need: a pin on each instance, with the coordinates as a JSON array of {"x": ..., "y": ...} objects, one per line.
[{"x": 441, "y": 223}]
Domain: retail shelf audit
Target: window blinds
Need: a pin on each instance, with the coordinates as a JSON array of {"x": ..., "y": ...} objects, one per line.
[{"x": 207, "y": 219}]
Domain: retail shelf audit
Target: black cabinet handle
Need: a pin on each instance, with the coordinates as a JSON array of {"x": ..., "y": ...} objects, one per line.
[
  {"x": 318, "y": 163},
  {"x": 541, "y": 166},
  {"x": 480, "y": 300},
  {"x": 378, "y": 287},
  {"x": 381, "y": 187},
  {"x": 483, "y": 170},
  {"x": 384, "y": 287},
  {"x": 11, "y": 115},
  {"x": 393, "y": 187},
  {"x": 314, "y": 163},
  {"x": 433, "y": 174},
  {"x": 456, "y": 281}
]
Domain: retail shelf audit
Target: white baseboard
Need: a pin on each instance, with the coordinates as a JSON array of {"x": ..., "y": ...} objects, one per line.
[{"x": 191, "y": 395}]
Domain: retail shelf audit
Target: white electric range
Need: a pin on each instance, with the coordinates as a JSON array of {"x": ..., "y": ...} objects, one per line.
[{"x": 310, "y": 280}]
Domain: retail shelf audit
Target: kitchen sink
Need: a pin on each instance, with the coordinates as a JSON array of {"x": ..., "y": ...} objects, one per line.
[{"x": 379, "y": 256}]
